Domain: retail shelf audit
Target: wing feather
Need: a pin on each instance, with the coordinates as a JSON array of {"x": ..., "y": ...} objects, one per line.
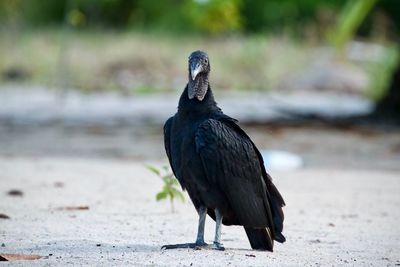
[
  {"x": 167, "y": 145},
  {"x": 232, "y": 164}
]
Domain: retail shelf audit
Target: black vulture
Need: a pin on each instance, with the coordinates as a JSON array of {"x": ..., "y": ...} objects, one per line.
[{"x": 220, "y": 167}]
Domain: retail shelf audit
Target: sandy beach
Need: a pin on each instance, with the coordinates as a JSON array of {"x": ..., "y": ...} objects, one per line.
[{"x": 103, "y": 212}]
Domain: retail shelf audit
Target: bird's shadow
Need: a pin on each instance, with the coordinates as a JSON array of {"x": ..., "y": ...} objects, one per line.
[
  {"x": 212, "y": 249},
  {"x": 86, "y": 246}
]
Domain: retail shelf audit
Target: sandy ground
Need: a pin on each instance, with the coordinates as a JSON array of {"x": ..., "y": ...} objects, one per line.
[{"x": 333, "y": 217}]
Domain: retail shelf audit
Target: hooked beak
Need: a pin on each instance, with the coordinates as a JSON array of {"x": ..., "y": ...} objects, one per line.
[{"x": 195, "y": 69}]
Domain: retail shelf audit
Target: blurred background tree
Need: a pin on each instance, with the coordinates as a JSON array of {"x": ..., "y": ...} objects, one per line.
[{"x": 205, "y": 16}]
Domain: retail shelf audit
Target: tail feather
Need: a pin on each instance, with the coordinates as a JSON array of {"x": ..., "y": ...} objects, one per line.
[
  {"x": 260, "y": 238},
  {"x": 277, "y": 203}
]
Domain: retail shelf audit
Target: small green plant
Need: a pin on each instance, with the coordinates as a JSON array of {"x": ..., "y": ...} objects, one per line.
[{"x": 170, "y": 188}]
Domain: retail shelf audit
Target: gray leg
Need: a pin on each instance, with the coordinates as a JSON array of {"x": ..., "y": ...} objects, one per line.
[
  {"x": 202, "y": 222},
  {"x": 218, "y": 223},
  {"x": 202, "y": 211}
]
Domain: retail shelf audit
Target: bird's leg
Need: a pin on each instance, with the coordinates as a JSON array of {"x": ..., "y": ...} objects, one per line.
[
  {"x": 202, "y": 211},
  {"x": 218, "y": 223}
]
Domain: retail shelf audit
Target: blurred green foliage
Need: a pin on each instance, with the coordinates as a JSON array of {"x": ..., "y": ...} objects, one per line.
[
  {"x": 131, "y": 61},
  {"x": 352, "y": 15},
  {"x": 381, "y": 72},
  {"x": 214, "y": 17},
  {"x": 278, "y": 15},
  {"x": 204, "y": 16}
]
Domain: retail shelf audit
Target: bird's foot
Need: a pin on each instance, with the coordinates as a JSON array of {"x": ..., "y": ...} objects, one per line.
[
  {"x": 218, "y": 246},
  {"x": 197, "y": 245}
]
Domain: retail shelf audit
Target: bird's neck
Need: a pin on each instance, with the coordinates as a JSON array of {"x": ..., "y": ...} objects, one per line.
[
  {"x": 199, "y": 86},
  {"x": 194, "y": 106}
]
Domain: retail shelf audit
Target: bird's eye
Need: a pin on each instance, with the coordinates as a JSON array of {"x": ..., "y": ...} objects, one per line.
[{"x": 205, "y": 61}]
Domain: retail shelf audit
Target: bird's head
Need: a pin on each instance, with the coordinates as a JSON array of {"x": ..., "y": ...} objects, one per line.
[{"x": 199, "y": 69}]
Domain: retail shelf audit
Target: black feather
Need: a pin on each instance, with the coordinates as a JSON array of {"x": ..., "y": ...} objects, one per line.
[{"x": 259, "y": 239}]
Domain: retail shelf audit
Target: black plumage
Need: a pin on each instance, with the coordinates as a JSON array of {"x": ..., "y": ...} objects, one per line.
[{"x": 219, "y": 166}]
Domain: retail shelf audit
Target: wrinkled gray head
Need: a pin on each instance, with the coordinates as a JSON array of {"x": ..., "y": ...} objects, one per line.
[{"x": 199, "y": 69}]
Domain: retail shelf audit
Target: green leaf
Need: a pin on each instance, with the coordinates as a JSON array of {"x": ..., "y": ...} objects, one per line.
[
  {"x": 153, "y": 169},
  {"x": 161, "y": 195},
  {"x": 179, "y": 195},
  {"x": 170, "y": 187},
  {"x": 166, "y": 188},
  {"x": 165, "y": 179}
]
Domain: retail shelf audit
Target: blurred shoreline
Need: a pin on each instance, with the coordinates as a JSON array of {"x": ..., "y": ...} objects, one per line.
[
  {"x": 38, "y": 122},
  {"x": 42, "y": 106}
]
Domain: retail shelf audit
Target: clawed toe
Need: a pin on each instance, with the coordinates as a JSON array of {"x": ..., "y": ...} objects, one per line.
[
  {"x": 197, "y": 245},
  {"x": 218, "y": 246},
  {"x": 174, "y": 246},
  {"x": 200, "y": 245}
]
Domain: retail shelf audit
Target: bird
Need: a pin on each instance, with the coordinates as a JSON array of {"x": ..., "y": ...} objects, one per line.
[{"x": 220, "y": 167}]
